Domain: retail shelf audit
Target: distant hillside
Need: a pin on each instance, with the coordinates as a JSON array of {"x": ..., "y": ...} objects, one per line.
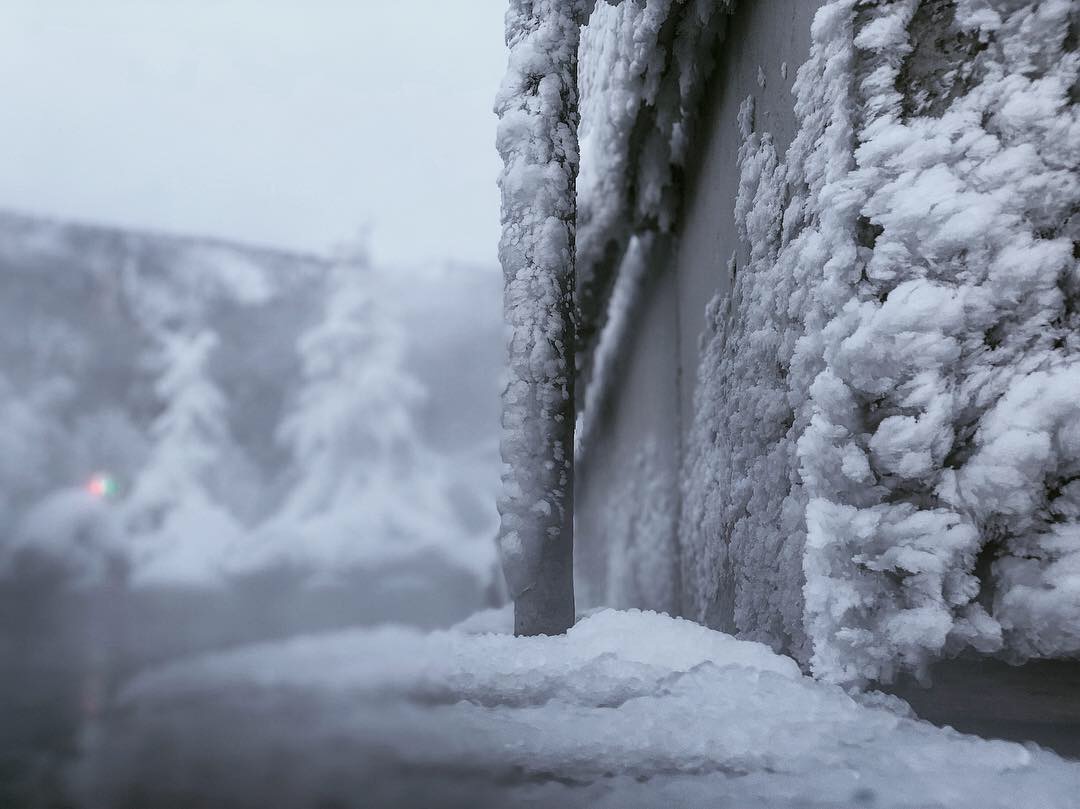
[
  {"x": 206, "y": 444},
  {"x": 84, "y": 310}
]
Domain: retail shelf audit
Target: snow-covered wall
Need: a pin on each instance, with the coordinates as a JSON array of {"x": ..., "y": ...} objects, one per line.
[
  {"x": 638, "y": 404},
  {"x": 879, "y": 422}
]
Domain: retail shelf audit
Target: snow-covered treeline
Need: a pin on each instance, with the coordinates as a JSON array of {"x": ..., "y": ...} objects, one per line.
[
  {"x": 207, "y": 444},
  {"x": 196, "y": 411},
  {"x": 884, "y": 461}
]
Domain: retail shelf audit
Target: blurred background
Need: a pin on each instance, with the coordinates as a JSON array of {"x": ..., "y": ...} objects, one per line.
[{"x": 250, "y": 337}]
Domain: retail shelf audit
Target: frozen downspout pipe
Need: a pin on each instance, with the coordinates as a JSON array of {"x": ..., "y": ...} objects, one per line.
[{"x": 537, "y": 138}]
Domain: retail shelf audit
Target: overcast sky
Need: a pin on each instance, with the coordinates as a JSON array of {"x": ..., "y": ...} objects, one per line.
[{"x": 284, "y": 122}]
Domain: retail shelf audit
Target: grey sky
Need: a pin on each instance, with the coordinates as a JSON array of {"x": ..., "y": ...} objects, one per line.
[{"x": 285, "y": 122}]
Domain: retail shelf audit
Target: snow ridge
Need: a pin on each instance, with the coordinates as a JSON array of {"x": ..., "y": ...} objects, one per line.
[{"x": 627, "y": 709}]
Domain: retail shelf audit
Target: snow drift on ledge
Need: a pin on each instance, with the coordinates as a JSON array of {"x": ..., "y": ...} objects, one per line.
[{"x": 628, "y": 709}]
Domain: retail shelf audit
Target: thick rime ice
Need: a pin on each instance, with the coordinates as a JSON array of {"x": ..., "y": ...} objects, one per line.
[
  {"x": 537, "y": 139},
  {"x": 740, "y": 534},
  {"x": 888, "y": 398},
  {"x": 642, "y": 66},
  {"x": 625, "y": 710}
]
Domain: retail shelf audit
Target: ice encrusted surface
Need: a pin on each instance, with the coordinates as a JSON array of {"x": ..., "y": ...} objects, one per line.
[
  {"x": 537, "y": 140},
  {"x": 641, "y": 73},
  {"x": 883, "y": 466},
  {"x": 628, "y": 709}
]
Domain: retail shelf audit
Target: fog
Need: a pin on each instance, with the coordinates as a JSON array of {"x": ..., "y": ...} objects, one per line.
[
  {"x": 251, "y": 341},
  {"x": 270, "y": 121}
]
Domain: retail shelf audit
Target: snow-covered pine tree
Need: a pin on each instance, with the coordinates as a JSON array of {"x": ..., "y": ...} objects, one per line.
[
  {"x": 172, "y": 510},
  {"x": 537, "y": 139},
  {"x": 351, "y": 430}
]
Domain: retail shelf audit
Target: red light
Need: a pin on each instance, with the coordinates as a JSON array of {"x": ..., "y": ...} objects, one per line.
[{"x": 101, "y": 485}]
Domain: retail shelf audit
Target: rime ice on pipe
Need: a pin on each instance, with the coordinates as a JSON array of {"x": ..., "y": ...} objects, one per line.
[{"x": 537, "y": 139}]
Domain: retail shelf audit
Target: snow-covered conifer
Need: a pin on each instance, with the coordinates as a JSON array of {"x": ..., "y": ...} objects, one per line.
[
  {"x": 172, "y": 508},
  {"x": 364, "y": 488},
  {"x": 352, "y": 420}
]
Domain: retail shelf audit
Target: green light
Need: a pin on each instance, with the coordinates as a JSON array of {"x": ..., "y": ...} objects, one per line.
[{"x": 102, "y": 485}]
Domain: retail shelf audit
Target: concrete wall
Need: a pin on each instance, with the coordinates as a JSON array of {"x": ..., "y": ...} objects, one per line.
[
  {"x": 763, "y": 42},
  {"x": 627, "y": 490},
  {"x": 627, "y": 480}
]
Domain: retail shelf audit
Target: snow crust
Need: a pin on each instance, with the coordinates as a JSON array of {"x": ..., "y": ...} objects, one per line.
[
  {"x": 627, "y": 709},
  {"x": 887, "y": 397}
]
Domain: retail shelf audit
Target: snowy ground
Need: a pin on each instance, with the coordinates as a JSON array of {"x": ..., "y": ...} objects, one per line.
[{"x": 629, "y": 709}]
